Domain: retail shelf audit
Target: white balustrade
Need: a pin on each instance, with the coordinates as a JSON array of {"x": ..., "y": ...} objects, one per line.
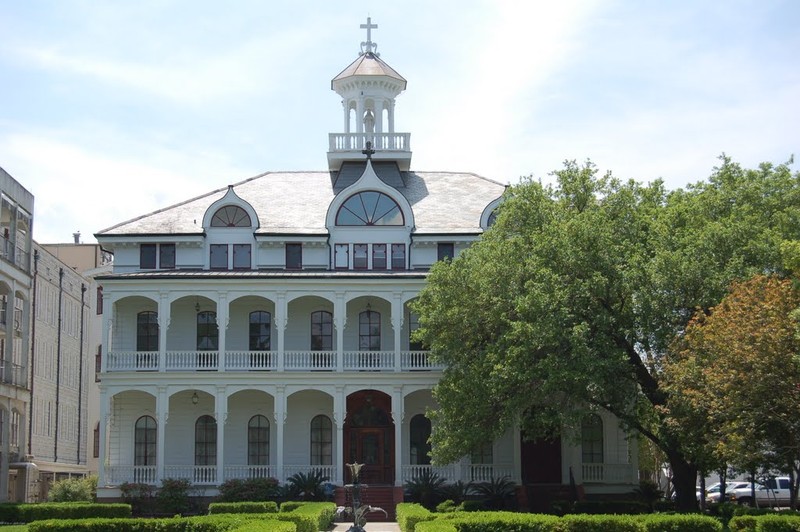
[
  {"x": 340, "y": 142},
  {"x": 417, "y": 361},
  {"x": 309, "y": 360},
  {"x": 132, "y": 361},
  {"x": 250, "y": 360},
  {"x": 250, "y": 471},
  {"x": 609, "y": 473},
  {"x": 119, "y": 474},
  {"x": 449, "y": 472},
  {"x": 200, "y": 475},
  {"x": 192, "y": 360},
  {"x": 486, "y": 472}
]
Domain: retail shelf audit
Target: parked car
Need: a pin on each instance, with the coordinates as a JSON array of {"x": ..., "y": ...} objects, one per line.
[
  {"x": 713, "y": 494},
  {"x": 774, "y": 492}
]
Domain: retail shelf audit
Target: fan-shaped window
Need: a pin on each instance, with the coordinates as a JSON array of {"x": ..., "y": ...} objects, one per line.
[
  {"x": 231, "y": 216},
  {"x": 369, "y": 208}
]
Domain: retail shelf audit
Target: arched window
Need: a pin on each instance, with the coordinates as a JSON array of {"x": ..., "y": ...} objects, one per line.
[
  {"x": 260, "y": 330},
  {"x": 144, "y": 441},
  {"x": 321, "y": 441},
  {"x": 491, "y": 219},
  {"x": 592, "y": 439},
  {"x": 231, "y": 216},
  {"x": 207, "y": 331},
  {"x": 369, "y": 331},
  {"x": 321, "y": 331},
  {"x": 369, "y": 208},
  {"x": 258, "y": 441},
  {"x": 205, "y": 441},
  {"x": 147, "y": 331},
  {"x": 420, "y": 433}
]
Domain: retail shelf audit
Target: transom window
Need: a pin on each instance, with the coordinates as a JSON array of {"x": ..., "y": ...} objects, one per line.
[
  {"x": 144, "y": 441},
  {"x": 258, "y": 441},
  {"x": 231, "y": 216},
  {"x": 369, "y": 208}
]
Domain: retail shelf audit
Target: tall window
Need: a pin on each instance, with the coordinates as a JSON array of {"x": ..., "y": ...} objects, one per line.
[
  {"x": 147, "y": 331},
  {"x": 420, "y": 433},
  {"x": 321, "y": 331},
  {"x": 321, "y": 441},
  {"x": 413, "y": 325},
  {"x": 241, "y": 257},
  {"x": 592, "y": 439},
  {"x": 96, "y": 441},
  {"x": 369, "y": 331},
  {"x": 166, "y": 256},
  {"x": 207, "y": 331},
  {"x": 231, "y": 216},
  {"x": 99, "y": 305},
  {"x": 483, "y": 454},
  {"x": 260, "y": 329},
  {"x": 369, "y": 208},
  {"x": 218, "y": 256},
  {"x": 258, "y": 441},
  {"x": 144, "y": 441},
  {"x": 147, "y": 256},
  {"x": 359, "y": 256},
  {"x": 398, "y": 256},
  {"x": 378, "y": 256},
  {"x": 341, "y": 256},
  {"x": 205, "y": 441},
  {"x": 445, "y": 250},
  {"x": 294, "y": 256}
]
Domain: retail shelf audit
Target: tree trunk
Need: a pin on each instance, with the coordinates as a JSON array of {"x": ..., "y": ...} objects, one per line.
[{"x": 684, "y": 478}]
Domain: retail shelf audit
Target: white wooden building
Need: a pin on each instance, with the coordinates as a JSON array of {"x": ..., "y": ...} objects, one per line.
[{"x": 263, "y": 329}]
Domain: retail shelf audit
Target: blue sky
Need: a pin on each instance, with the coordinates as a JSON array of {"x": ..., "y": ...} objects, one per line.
[{"x": 112, "y": 109}]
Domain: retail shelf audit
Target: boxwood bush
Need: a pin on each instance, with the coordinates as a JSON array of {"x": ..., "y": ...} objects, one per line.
[
  {"x": 265, "y": 507},
  {"x": 411, "y": 513},
  {"x": 26, "y": 512},
  {"x": 766, "y": 523},
  {"x": 207, "y": 523}
]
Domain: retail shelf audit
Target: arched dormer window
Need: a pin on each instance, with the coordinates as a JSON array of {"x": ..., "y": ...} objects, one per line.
[
  {"x": 369, "y": 208},
  {"x": 231, "y": 216}
]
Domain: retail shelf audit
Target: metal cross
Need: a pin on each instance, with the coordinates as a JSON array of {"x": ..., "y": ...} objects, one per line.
[
  {"x": 368, "y": 151},
  {"x": 369, "y": 45}
]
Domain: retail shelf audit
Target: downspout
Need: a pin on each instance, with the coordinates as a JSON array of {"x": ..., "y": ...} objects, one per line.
[
  {"x": 80, "y": 379},
  {"x": 58, "y": 358},
  {"x": 33, "y": 349}
]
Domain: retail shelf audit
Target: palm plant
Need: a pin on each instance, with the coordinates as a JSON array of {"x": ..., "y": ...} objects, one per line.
[
  {"x": 425, "y": 489},
  {"x": 458, "y": 491},
  {"x": 497, "y": 493},
  {"x": 309, "y": 486}
]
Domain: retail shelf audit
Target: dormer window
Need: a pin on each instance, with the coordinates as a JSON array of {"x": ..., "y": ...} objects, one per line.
[
  {"x": 369, "y": 208},
  {"x": 231, "y": 216}
]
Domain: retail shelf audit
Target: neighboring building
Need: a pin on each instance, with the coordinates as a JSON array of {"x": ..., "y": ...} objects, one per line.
[
  {"x": 17, "y": 474},
  {"x": 263, "y": 329}
]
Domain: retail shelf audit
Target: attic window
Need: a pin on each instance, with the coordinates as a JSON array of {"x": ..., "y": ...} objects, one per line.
[
  {"x": 369, "y": 208},
  {"x": 231, "y": 216}
]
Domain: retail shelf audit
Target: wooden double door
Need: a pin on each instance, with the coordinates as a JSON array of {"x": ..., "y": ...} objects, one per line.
[{"x": 369, "y": 437}]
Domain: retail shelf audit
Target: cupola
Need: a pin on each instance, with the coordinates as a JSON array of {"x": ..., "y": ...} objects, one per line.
[{"x": 368, "y": 87}]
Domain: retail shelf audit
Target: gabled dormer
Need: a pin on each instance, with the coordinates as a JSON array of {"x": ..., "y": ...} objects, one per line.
[
  {"x": 229, "y": 224},
  {"x": 368, "y": 87}
]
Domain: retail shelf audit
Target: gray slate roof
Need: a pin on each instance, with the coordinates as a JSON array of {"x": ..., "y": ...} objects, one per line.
[{"x": 297, "y": 203}]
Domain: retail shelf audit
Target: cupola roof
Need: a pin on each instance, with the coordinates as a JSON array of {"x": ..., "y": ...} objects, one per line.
[{"x": 369, "y": 64}]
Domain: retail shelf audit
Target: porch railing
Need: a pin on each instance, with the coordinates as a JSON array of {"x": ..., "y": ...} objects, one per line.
[
  {"x": 609, "y": 473},
  {"x": 290, "y": 360},
  {"x": 199, "y": 475},
  {"x": 340, "y": 142},
  {"x": 251, "y": 471}
]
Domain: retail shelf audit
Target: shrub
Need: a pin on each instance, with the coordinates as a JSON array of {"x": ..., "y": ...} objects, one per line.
[
  {"x": 409, "y": 514},
  {"x": 610, "y": 507},
  {"x": 648, "y": 492},
  {"x": 251, "y": 489},
  {"x": 74, "y": 490},
  {"x": 426, "y": 489},
  {"x": 308, "y": 516},
  {"x": 247, "y": 507},
  {"x": 140, "y": 496},
  {"x": 26, "y": 513},
  {"x": 458, "y": 491},
  {"x": 309, "y": 486},
  {"x": 173, "y": 496},
  {"x": 680, "y": 523},
  {"x": 497, "y": 493}
]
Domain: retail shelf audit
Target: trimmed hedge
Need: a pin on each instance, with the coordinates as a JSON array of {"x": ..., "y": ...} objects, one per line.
[
  {"x": 410, "y": 513},
  {"x": 765, "y": 523},
  {"x": 610, "y": 507},
  {"x": 205, "y": 523},
  {"x": 266, "y": 507},
  {"x": 27, "y": 512},
  {"x": 680, "y": 523},
  {"x": 309, "y": 516}
]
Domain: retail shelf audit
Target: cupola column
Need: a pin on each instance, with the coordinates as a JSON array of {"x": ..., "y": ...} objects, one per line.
[
  {"x": 360, "y": 116},
  {"x": 346, "y": 110}
]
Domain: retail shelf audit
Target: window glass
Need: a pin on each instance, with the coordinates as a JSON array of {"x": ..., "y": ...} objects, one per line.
[
  {"x": 230, "y": 216},
  {"x": 445, "y": 251},
  {"x": 205, "y": 441},
  {"x": 369, "y": 208},
  {"x": 492, "y": 219},
  {"x": 483, "y": 454},
  {"x": 219, "y": 256},
  {"x": 321, "y": 331},
  {"x": 147, "y": 256},
  {"x": 207, "y": 331},
  {"x": 260, "y": 330},
  {"x": 258, "y": 441},
  {"x": 147, "y": 331},
  {"x": 294, "y": 256},
  {"x": 359, "y": 256},
  {"x": 321, "y": 441},
  {"x": 341, "y": 256},
  {"x": 144, "y": 441},
  {"x": 241, "y": 257},
  {"x": 369, "y": 331},
  {"x": 398, "y": 256},
  {"x": 166, "y": 256},
  {"x": 413, "y": 325},
  {"x": 592, "y": 439},
  {"x": 378, "y": 256},
  {"x": 420, "y": 433}
]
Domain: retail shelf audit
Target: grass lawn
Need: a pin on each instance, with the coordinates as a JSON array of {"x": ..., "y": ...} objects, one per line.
[{"x": 14, "y": 528}]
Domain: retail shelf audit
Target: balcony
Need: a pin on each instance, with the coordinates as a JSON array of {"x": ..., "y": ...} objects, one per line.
[
  {"x": 239, "y": 361},
  {"x": 13, "y": 374},
  {"x": 388, "y": 146}
]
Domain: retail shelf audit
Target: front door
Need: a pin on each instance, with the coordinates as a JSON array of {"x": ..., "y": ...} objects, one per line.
[
  {"x": 369, "y": 437},
  {"x": 368, "y": 447}
]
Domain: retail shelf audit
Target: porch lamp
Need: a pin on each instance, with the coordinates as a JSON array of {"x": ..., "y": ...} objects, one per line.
[{"x": 195, "y": 399}]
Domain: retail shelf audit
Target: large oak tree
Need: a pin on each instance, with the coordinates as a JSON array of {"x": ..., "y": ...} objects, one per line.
[{"x": 571, "y": 300}]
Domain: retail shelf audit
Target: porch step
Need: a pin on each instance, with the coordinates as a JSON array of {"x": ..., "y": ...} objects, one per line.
[{"x": 382, "y": 496}]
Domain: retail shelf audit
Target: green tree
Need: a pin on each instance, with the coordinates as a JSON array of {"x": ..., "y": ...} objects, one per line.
[
  {"x": 572, "y": 299},
  {"x": 746, "y": 352}
]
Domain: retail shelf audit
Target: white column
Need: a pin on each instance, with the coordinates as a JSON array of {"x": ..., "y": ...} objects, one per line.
[
  {"x": 222, "y": 325},
  {"x": 281, "y": 310},
  {"x": 6, "y": 436},
  {"x": 108, "y": 321},
  {"x": 104, "y": 424},
  {"x": 221, "y": 402},
  {"x": 164, "y": 317},
  {"x": 391, "y": 116},
  {"x": 398, "y": 412},
  {"x": 339, "y": 322},
  {"x": 339, "y": 414},
  {"x": 346, "y": 109},
  {"x": 162, "y": 411},
  {"x": 360, "y": 119},
  {"x": 280, "y": 419},
  {"x": 397, "y": 325}
]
